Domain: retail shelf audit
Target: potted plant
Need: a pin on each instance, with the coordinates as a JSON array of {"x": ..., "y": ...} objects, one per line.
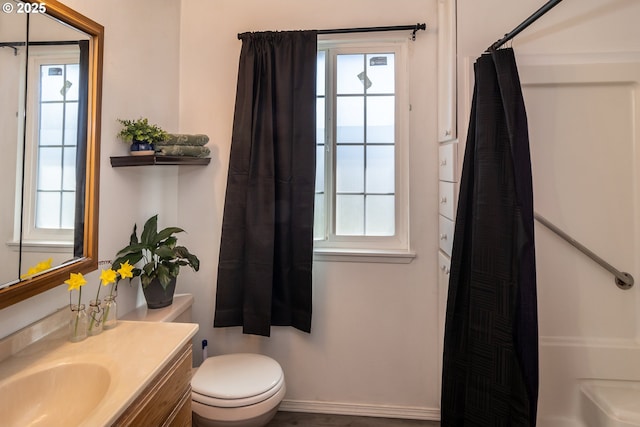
[
  {"x": 161, "y": 258},
  {"x": 141, "y": 135}
]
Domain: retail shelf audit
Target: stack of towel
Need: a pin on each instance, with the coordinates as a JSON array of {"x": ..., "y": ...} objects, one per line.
[{"x": 183, "y": 145}]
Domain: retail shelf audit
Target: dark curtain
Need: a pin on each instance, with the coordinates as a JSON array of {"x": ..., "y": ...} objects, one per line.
[
  {"x": 81, "y": 148},
  {"x": 490, "y": 361},
  {"x": 266, "y": 248}
]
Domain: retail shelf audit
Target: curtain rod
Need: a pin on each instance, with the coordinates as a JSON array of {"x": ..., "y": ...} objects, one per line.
[
  {"x": 14, "y": 45},
  {"x": 530, "y": 20},
  {"x": 415, "y": 28},
  {"x": 42, "y": 43}
]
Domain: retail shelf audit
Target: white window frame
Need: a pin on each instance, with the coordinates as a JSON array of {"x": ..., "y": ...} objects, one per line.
[
  {"x": 56, "y": 240},
  {"x": 396, "y": 248}
]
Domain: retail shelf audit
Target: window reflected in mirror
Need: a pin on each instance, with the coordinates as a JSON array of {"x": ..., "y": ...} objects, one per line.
[
  {"x": 50, "y": 124},
  {"x": 54, "y": 146}
]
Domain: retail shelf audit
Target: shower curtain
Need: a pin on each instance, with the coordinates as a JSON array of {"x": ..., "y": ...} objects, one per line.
[
  {"x": 266, "y": 248},
  {"x": 490, "y": 360}
]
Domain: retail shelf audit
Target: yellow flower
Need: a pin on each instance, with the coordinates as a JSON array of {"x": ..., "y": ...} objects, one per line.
[
  {"x": 125, "y": 270},
  {"x": 44, "y": 265},
  {"x": 107, "y": 276},
  {"x": 38, "y": 268},
  {"x": 30, "y": 272},
  {"x": 76, "y": 280}
]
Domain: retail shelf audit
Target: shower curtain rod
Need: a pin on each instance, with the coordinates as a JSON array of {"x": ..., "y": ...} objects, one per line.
[
  {"x": 530, "y": 20},
  {"x": 415, "y": 28}
]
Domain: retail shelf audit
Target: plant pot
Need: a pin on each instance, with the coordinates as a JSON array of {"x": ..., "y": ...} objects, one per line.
[
  {"x": 156, "y": 296},
  {"x": 141, "y": 148}
]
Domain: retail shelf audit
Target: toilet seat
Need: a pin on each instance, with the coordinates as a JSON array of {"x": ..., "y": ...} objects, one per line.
[{"x": 236, "y": 380}]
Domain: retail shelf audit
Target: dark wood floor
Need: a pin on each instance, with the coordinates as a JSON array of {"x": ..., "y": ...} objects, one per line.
[{"x": 299, "y": 419}]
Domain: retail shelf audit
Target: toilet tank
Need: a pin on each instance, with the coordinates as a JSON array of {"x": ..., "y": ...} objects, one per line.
[{"x": 178, "y": 312}]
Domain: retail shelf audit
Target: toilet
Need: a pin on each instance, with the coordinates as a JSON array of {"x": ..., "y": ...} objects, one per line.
[{"x": 242, "y": 390}]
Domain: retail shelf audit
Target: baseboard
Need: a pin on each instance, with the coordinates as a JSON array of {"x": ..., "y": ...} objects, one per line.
[{"x": 361, "y": 410}]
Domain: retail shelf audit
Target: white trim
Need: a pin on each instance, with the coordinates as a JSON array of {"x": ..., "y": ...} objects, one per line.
[
  {"x": 572, "y": 341},
  {"x": 363, "y": 410},
  {"x": 53, "y": 246},
  {"x": 400, "y": 242},
  {"x": 38, "y": 57},
  {"x": 376, "y": 256}
]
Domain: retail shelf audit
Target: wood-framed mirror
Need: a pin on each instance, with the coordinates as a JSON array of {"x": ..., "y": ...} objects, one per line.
[{"x": 80, "y": 141}]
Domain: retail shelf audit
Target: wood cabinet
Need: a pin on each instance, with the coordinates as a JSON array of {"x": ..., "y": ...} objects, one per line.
[{"x": 167, "y": 400}]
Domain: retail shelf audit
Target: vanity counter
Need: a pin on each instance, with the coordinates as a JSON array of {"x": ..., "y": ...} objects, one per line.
[{"x": 133, "y": 354}]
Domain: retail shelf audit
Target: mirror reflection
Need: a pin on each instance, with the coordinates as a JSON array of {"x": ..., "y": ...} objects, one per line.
[
  {"x": 13, "y": 37},
  {"x": 54, "y": 152},
  {"x": 50, "y": 68}
]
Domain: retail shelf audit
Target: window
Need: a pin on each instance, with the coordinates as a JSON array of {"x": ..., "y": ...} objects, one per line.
[
  {"x": 50, "y": 173},
  {"x": 361, "y": 183}
]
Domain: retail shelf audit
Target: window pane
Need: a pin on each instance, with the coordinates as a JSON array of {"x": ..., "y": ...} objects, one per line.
[
  {"x": 320, "y": 129},
  {"x": 72, "y": 82},
  {"x": 48, "y": 216},
  {"x": 319, "y": 218},
  {"x": 350, "y": 119},
  {"x": 350, "y": 169},
  {"x": 349, "y": 215},
  {"x": 380, "y": 71},
  {"x": 52, "y": 82},
  {"x": 49, "y": 171},
  {"x": 381, "y": 119},
  {"x": 380, "y": 169},
  {"x": 69, "y": 169},
  {"x": 71, "y": 124},
  {"x": 68, "y": 210},
  {"x": 320, "y": 169},
  {"x": 380, "y": 215},
  {"x": 350, "y": 74},
  {"x": 320, "y": 73},
  {"x": 51, "y": 124}
]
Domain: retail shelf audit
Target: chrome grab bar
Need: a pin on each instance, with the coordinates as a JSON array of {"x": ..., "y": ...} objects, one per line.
[{"x": 624, "y": 280}]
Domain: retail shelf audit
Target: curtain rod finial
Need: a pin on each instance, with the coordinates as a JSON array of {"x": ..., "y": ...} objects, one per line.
[{"x": 417, "y": 28}]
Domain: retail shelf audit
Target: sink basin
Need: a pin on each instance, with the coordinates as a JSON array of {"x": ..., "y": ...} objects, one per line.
[{"x": 62, "y": 395}]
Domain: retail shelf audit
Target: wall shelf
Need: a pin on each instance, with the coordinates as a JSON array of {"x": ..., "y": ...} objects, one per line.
[{"x": 150, "y": 160}]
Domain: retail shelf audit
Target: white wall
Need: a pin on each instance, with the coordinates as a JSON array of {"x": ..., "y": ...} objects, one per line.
[
  {"x": 373, "y": 344},
  {"x": 140, "y": 79}
]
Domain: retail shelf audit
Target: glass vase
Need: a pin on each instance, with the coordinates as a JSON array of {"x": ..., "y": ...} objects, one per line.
[
  {"x": 78, "y": 323},
  {"x": 95, "y": 317},
  {"x": 110, "y": 312}
]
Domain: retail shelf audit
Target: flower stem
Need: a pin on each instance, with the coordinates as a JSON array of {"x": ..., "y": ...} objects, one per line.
[
  {"x": 75, "y": 332},
  {"x": 92, "y": 320},
  {"x": 108, "y": 306}
]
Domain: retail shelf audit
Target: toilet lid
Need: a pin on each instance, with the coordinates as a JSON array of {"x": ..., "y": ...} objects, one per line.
[{"x": 236, "y": 376}]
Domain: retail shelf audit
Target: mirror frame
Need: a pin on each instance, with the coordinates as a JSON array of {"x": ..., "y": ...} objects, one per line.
[{"x": 89, "y": 262}]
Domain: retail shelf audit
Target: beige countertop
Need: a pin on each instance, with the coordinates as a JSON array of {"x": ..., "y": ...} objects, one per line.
[{"x": 132, "y": 352}]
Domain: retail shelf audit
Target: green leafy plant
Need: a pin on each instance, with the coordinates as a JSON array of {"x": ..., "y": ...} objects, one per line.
[
  {"x": 161, "y": 256},
  {"x": 141, "y": 131}
]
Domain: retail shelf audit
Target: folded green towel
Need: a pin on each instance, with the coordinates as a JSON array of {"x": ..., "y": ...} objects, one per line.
[
  {"x": 184, "y": 139},
  {"x": 183, "y": 150}
]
